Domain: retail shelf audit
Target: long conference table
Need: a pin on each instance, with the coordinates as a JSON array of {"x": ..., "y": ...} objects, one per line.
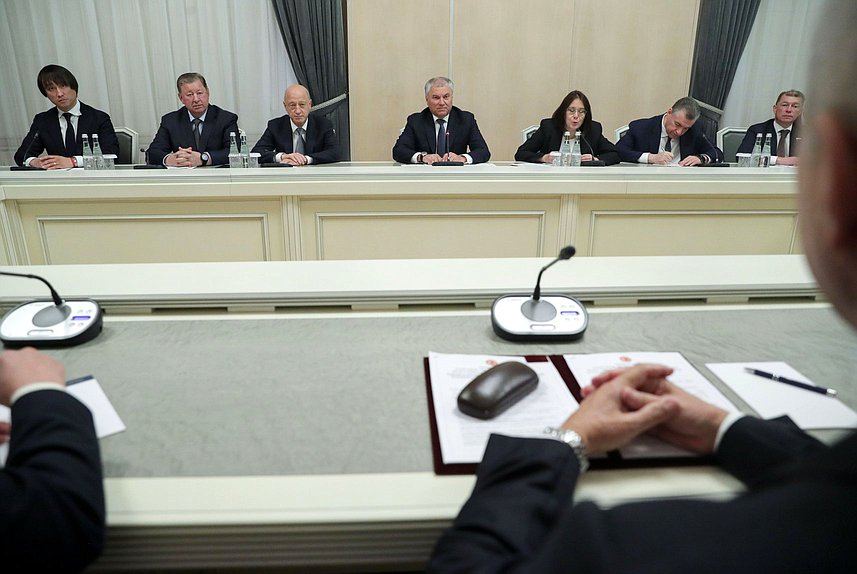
[
  {"x": 277, "y": 412},
  {"x": 359, "y": 211}
]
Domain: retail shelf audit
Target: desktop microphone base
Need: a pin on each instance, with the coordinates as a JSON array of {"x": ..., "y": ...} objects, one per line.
[
  {"x": 552, "y": 318},
  {"x": 42, "y": 324}
]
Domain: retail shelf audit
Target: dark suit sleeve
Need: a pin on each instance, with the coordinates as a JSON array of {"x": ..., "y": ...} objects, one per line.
[
  {"x": 162, "y": 144},
  {"x": 749, "y": 140},
  {"x": 631, "y": 145},
  {"x": 520, "y": 518},
  {"x": 51, "y": 498},
  {"x": 31, "y": 146},
  {"x": 107, "y": 134},
  {"x": 536, "y": 145},
  {"x": 325, "y": 148},
  {"x": 226, "y": 122},
  {"x": 266, "y": 146},
  {"x": 478, "y": 148},
  {"x": 405, "y": 147}
]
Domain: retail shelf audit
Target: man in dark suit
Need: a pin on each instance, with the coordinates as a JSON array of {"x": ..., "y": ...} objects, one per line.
[
  {"x": 295, "y": 138},
  {"x": 51, "y": 496},
  {"x": 799, "y": 513},
  {"x": 58, "y": 130},
  {"x": 673, "y": 137},
  {"x": 196, "y": 134},
  {"x": 784, "y": 129},
  {"x": 441, "y": 132}
]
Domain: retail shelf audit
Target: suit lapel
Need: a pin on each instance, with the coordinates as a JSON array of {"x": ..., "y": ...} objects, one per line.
[
  {"x": 655, "y": 137},
  {"x": 430, "y": 135},
  {"x": 207, "y": 129}
]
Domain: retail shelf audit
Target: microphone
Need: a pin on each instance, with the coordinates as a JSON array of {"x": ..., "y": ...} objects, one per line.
[
  {"x": 54, "y": 323},
  {"x": 717, "y": 158},
  {"x": 593, "y": 161},
  {"x": 567, "y": 252},
  {"x": 27, "y": 153},
  {"x": 553, "y": 317}
]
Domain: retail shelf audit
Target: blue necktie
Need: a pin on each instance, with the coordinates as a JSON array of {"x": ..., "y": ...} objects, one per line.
[{"x": 441, "y": 138}]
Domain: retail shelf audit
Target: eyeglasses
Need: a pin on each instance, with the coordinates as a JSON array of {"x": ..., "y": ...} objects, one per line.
[{"x": 572, "y": 111}]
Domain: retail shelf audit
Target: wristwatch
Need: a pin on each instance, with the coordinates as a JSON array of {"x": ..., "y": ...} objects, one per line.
[
  {"x": 420, "y": 158},
  {"x": 205, "y": 158},
  {"x": 572, "y": 439}
]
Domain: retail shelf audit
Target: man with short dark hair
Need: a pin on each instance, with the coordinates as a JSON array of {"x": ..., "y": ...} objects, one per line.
[
  {"x": 295, "y": 138},
  {"x": 784, "y": 129},
  {"x": 441, "y": 132},
  {"x": 58, "y": 130},
  {"x": 670, "y": 138},
  {"x": 196, "y": 134},
  {"x": 799, "y": 513},
  {"x": 51, "y": 493}
]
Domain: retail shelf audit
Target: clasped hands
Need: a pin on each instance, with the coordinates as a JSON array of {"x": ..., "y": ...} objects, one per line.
[
  {"x": 448, "y": 156},
  {"x": 52, "y": 162},
  {"x": 625, "y": 403},
  {"x": 184, "y": 157}
]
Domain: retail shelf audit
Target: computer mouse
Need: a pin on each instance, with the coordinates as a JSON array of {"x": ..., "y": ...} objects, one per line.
[{"x": 497, "y": 389}]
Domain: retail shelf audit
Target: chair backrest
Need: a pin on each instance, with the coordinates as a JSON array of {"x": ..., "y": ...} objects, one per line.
[
  {"x": 728, "y": 139},
  {"x": 127, "y": 145},
  {"x": 528, "y": 132},
  {"x": 620, "y": 132}
]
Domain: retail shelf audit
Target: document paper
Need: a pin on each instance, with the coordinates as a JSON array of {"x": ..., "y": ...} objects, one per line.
[
  {"x": 771, "y": 399},
  {"x": 462, "y": 437}
]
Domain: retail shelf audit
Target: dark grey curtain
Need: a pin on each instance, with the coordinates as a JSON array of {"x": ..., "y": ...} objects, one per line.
[
  {"x": 722, "y": 32},
  {"x": 314, "y": 34}
]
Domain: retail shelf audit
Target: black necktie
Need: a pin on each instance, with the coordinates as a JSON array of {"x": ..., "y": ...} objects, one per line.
[
  {"x": 69, "y": 134},
  {"x": 669, "y": 144},
  {"x": 781, "y": 145},
  {"x": 196, "y": 122},
  {"x": 299, "y": 144},
  {"x": 441, "y": 138}
]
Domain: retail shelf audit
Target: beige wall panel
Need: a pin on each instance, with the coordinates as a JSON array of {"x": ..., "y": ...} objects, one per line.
[
  {"x": 632, "y": 59},
  {"x": 394, "y": 46},
  {"x": 120, "y": 232},
  {"x": 685, "y": 226},
  {"x": 431, "y": 227},
  {"x": 688, "y": 233},
  {"x": 511, "y": 65}
]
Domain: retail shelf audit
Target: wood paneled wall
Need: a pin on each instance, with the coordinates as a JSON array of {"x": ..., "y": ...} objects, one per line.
[{"x": 513, "y": 62}]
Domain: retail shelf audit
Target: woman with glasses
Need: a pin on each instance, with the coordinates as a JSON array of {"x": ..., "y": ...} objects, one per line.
[{"x": 573, "y": 114}]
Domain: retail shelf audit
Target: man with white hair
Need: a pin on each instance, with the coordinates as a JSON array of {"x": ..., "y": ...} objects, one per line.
[
  {"x": 441, "y": 132},
  {"x": 799, "y": 513}
]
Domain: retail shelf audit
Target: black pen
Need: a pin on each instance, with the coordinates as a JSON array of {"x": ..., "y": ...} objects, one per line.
[{"x": 800, "y": 385}]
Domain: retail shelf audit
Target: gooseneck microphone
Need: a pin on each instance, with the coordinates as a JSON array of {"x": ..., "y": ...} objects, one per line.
[
  {"x": 554, "y": 317},
  {"x": 50, "y": 323},
  {"x": 27, "y": 154},
  {"x": 566, "y": 252}
]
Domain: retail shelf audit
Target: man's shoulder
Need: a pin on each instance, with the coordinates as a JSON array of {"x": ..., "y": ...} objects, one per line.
[
  {"x": 87, "y": 109},
  {"x": 462, "y": 114},
  {"x": 173, "y": 116},
  {"x": 321, "y": 123},
  {"x": 420, "y": 115},
  {"x": 222, "y": 115},
  {"x": 761, "y": 126},
  {"x": 643, "y": 123}
]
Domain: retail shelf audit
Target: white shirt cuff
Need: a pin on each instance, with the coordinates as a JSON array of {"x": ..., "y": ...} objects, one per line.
[
  {"x": 33, "y": 387},
  {"x": 727, "y": 423},
  {"x": 415, "y": 158},
  {"x": 644, "y": 158},
  {"x": 468, "y": 158}
]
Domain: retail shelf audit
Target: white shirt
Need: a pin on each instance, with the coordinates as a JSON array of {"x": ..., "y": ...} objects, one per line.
[
  {"x": 74, "y": 119},
  {"x": 416, "y": 157},
  {"x": 675, "y": 148},
  {"x": 295, "y": 136},
  {"x": 778, "y": 128}
]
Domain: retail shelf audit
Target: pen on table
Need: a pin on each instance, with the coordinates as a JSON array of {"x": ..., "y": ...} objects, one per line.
[{"x": 779, "y": 379}]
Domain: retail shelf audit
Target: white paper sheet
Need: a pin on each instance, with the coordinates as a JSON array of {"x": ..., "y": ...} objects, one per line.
[
  {"x": 89, "y": 392},
  {"x": 771, "y": 399},
  {"x": 585, "y": 367},
  {"x": 463, "y": 438}
]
